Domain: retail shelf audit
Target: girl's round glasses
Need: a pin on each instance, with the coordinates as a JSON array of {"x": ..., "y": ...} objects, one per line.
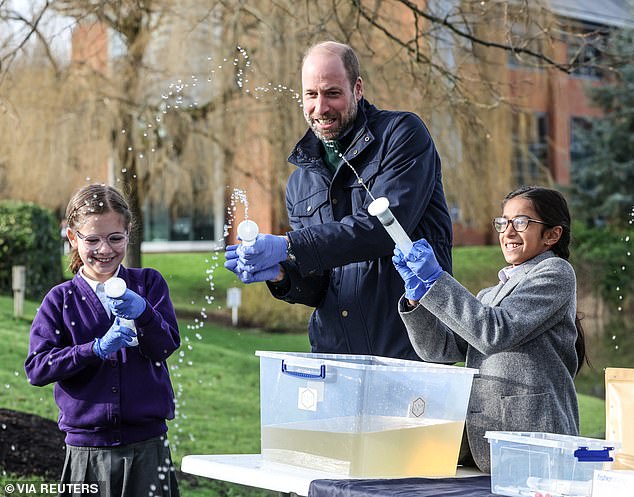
[
  {"x": 520, "y": 223},
  {"x": 115, "y": 240}
]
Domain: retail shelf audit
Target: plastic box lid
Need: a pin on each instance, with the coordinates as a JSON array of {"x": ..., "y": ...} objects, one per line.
[
  {"x": 553, "y": 440},
  {"x": 363, "y": 362}
]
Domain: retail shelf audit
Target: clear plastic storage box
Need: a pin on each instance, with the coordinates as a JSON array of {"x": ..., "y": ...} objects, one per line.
[
  {"x": 540, "y": 464},
  {"x": 362, "y": 416}
]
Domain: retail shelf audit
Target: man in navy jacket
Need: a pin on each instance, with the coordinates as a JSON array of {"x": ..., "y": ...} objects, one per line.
[{"x": 338, "y": 257}]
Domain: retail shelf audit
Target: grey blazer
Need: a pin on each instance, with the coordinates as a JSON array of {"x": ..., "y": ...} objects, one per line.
[{"x": 520, "y": 335}]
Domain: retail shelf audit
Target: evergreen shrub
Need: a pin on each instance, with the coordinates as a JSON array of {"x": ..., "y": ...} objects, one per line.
[
  {"x": 602, "y": 258},
  {"x": 29, "y": 236}
]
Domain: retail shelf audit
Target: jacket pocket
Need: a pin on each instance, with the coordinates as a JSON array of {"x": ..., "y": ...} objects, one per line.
[
  {"x": 533, "y": 412},
  {"x": 311, "y": 210}
]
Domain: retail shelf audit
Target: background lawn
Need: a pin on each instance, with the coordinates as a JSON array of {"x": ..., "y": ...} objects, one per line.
[{"x": 216, "y": 373}]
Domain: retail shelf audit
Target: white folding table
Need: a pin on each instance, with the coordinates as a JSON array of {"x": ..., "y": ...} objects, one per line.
[{"x": 251, "y": 470}]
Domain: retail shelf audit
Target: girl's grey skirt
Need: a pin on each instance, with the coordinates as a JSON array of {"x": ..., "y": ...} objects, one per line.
[{"x": 142, "y": 469}]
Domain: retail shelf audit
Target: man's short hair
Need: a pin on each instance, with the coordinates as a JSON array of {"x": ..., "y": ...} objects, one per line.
[{"x": 344, "y": 52}]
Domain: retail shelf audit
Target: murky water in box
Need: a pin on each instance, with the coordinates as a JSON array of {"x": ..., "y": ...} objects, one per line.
[{"x": 392, "y": 447}]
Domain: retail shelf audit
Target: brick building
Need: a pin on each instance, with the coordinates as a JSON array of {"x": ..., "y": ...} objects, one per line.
[{"x": 549, "y": 105}]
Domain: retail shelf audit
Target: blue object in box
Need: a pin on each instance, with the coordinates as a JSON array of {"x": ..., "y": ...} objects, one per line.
[
  {"x": 536, "y": 463},
  {"x": 362, "y": 416}
]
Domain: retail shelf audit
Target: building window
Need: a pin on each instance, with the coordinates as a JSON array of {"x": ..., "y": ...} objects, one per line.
[
  {"x": 579, "y": 146},
  {"x": 193, "y": 223},
  {"x": 530, "y": 148},
  {"x": 585, "y": 43}
]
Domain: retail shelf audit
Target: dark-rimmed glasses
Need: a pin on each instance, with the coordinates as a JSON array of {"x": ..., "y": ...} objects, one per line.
[
  {"x": 115, "y": 240},
  {"x": 520, "y": 223}
]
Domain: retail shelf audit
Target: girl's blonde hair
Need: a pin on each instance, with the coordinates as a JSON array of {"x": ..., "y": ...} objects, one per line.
[{"x": 89, "y": 201}]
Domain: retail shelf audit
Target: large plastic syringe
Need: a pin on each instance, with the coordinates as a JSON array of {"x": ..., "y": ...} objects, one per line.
[
  {"x": 381, "y": 209},
  {"x": 115, "y": 287}
]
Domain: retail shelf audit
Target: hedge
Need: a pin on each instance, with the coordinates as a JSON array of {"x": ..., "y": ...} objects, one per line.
[{"x": 29, "y": 236}]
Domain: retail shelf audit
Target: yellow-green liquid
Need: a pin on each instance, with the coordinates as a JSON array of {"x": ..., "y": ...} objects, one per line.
[{"x": 389, "y": 447}]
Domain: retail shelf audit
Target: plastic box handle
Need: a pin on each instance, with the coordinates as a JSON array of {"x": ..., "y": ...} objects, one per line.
[
  {"x": 583, "y": 454},
  {"x": 300, "y": 374}
]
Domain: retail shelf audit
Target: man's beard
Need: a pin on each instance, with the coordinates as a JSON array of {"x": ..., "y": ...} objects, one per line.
[{"x": 346, "y": 122}]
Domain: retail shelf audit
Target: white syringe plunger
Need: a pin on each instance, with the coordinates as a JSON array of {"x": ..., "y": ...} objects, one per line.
[
  {"x": 115, "y": 287},
  {"x": 381, "y": 209},
  {"x": 248, "y": 231}
]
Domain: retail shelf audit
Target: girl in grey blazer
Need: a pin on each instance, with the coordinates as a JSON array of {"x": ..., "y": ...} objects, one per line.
[{"x": 522, "y": 334}]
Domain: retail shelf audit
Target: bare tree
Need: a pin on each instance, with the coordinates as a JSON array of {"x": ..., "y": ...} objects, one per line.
[{"x": 178, "y": 144}]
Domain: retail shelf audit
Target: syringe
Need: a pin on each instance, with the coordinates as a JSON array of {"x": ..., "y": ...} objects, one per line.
[
  {"x": 381, "y": 209},
  {"x": 115, "y": 288},
  {"x": 248, "y": 231}
]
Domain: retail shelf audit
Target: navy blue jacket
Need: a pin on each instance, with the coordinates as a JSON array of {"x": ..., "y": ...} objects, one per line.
[{"x": 343, "y": 263}]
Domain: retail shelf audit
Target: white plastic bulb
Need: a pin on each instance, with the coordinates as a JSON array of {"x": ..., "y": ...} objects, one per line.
[
  {"x": 115, "y": 288},
  {"x": 248, "y": 231},
  {"x": 381, "y": 209}
]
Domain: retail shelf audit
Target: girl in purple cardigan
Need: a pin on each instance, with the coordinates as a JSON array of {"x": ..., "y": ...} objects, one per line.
[{"x": 112, "y": 384}]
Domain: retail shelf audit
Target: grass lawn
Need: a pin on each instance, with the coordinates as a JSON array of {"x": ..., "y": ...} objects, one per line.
[{"x": 215, "y": 373}]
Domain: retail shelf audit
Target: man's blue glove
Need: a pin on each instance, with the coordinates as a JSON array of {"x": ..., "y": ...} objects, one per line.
[
  {"x": 115, "y": 338},
  {"x": 414, "y": 286},
  {"x": 422, "y": 261},
  {"x": 129, "y": 306},
  {"x": 232, "y": 259},
  {"x": 267, "y": 251},
  {"x": 246, "y": 275}
]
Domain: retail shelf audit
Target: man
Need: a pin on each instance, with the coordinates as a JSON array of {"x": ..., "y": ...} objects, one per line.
[{"x": 338, "y": 257}]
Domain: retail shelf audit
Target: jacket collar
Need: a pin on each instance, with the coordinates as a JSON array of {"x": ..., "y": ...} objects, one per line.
[{"x": 518, "y": 275}]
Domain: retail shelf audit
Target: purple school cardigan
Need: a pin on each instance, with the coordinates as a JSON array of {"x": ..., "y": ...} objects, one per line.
[{"x": 123, "y": 399}]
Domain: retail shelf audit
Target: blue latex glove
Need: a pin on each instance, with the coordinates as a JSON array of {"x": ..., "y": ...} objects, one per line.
[
  {"x": 267, "y": 251},
  {"x": 415, "y": 288},
  {"x": 129, "y": 306},
  {"x": 232, "y": 259},
  {"x": 115, "y": 339},
  {"x": 247, "y": 275},
  {"x": 422, "y": 261}
]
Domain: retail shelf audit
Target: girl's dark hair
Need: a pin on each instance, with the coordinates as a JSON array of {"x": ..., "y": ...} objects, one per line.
[
  {"x": 88, "y": 201},
  {"x": 552, "y": 208}
]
